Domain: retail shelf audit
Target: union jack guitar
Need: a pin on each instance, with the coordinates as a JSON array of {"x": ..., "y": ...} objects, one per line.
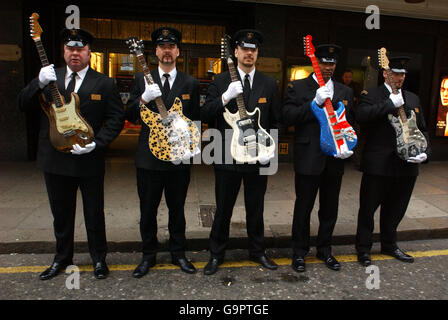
[{"x": 336, "y": 134}]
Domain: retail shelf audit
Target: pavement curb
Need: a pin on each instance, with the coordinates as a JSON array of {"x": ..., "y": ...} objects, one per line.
[{"x": 40, "y": 247}]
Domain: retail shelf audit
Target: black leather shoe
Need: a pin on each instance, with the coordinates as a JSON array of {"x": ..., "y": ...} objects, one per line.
[
  {"x": 265, "y": 262},
  {"x": 330, "y": 261},
  {"x": 212, "y": 266},
  {"x": 143, "y": 267},
  {"x": 364, "y": 259},
  {"x": 184, "y": 264},
  {"x": 398, "y": 254},
  {"x": 298, "y": 264},
  {"x": 100, "y": 270},
  {"x": 53, "y": 270}
]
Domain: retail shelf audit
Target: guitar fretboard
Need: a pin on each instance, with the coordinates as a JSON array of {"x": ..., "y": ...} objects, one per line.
[
  {"x": 239, "y": 99},
  {"x": 159, "y": 102},
  {"x": 401, "y": 111},
  {"x": 321, "y": 82},
  {"x": 44, "y": 60}
]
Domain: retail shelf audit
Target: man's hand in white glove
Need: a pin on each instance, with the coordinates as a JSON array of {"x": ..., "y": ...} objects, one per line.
[
  {"x": 46, "y": 75},
  {"x": 418, "y": 159},
  {"x": 344, "y": 154},
  {"x": 78, "y": 150},
  {"x": 397, "y": 99},
  {"x": 152, "y": 91},
  {"x": 234, "y": 89},
  {"x": 321, "y": 95}
]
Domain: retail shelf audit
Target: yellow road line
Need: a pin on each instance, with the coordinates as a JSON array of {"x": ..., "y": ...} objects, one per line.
[{"x": 228, "y": 264}]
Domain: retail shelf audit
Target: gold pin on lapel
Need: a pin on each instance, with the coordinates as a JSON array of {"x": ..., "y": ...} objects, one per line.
[{"x": 96, "y": 97}]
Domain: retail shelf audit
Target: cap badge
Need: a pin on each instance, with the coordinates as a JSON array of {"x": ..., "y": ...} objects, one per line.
[
  {"x": 165, "y": 32},
  {"x": 331, "y": 49},
  {"x": 250, "y": 35},
  {"x": 73, "y": 32}
]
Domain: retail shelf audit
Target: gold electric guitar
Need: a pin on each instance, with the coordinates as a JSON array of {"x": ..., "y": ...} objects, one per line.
[
  {"x": 250, "y": 142},
  {"x": 410, "y": 141},
  {"x": 67, "y": 126},
  {"x": 173, "y": 136}
]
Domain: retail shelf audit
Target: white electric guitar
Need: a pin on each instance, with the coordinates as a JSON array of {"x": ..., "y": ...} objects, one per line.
[{"x": 250, "y": 142}]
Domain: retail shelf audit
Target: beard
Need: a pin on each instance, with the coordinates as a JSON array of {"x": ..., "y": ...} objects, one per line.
[{"x": 167, "y": 59}]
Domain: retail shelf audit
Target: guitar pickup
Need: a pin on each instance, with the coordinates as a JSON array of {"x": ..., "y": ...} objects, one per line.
[
  {"x": 63, "y": 119},
  {"x": 66, "y": 126},
  {"x": 249, "y": 138},
  {"x": 59, "y": 110},
  {"x": 245, "y": 122}
]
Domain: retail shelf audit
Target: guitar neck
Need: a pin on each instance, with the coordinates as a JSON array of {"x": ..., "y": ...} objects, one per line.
[
  {"x": 239, "y": 99},
  {"x": 320, "y": 80},
  {"x": 52, "y": 85},
  {"x": 159, "y": 102},
  {"x": 401, "y": 111}
]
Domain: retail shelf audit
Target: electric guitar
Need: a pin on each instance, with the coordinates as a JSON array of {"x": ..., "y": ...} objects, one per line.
[
  {"x": 336, "y": 134},
  {"x": 250, "y": 142},
  {"x": 173, "y": 137},
  {"x": 67, "y": 126},
  {"x": 410, "y": 141}
]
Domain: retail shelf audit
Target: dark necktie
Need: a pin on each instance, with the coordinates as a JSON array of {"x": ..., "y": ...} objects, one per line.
[
  {"x": 70, "y": 87},
  {"x": 166, "y": 87},
  {"x": 246, "y": 90}
]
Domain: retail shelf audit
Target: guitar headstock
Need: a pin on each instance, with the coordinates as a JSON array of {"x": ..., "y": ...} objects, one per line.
[
  {"x": 135, "y": 45},
  {"x": 225, "y": 47},
  {"x": 382, "y": 58},
  {"x": 35, "y": 29},
  {"x": 308, "y": 46}
]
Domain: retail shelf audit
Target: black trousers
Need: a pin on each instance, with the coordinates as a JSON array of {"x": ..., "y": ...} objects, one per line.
[
  {"x": 227, "y": 186},
  {"x": 150, "y": 185},
  {"x": 393, "y": 195},
  {"x": 307, "y": 187},
  {"x": 62, "y": 191}
]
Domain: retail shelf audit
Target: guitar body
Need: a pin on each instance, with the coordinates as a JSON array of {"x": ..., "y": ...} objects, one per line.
[
  {"x": 410, "y": 141},
  {"x": 250, "y": 142},
  {"x": 328, "y": 141},
  {"x": 67, "y": 126},
  {"x": 174, "y": 137}
]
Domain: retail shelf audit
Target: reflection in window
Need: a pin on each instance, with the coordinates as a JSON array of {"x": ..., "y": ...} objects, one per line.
[
  {"x": 96, "y": 61},
  {"x": 121, "y": 64},
  {"x": 299, "y": 72},
  {"x": 204, "y": 68}
]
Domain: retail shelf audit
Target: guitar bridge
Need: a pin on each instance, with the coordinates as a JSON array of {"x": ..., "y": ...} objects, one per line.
[{"x": 68, "y": 133}]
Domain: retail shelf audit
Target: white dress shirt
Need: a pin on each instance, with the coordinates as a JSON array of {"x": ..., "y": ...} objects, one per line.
[
  {"x": 172, "y": 73},
  {"x": 80, "y": 75}
]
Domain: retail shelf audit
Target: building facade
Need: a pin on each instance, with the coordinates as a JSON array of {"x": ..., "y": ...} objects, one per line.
[{"x": 423, "y": 37}]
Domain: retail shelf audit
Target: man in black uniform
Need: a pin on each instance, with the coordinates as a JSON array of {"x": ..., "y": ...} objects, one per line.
[
  {"x": 261, "y": 92},
  {"x": 387, "y": 180},
  {"x": 155, "y": 176},
  {"x": 83, "y": 168},
  {"x": 315, "y": 171}
]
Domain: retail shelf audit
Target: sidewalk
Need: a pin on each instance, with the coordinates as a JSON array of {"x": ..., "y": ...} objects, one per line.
[{"x": 26, "y": 221}]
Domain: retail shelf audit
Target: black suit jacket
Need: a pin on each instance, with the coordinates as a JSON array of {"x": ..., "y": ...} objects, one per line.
[
  {"x": 264, "y": 95},
  {"x": 186, "y": 88},
  {"x": 308, "y": 157},
  {"x": 104, "y": 113},
  {"x": 379, "y": 156}
]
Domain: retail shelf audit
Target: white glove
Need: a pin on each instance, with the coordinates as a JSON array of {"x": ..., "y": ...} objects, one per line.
[
  {"x": 78, "y": 150},
  {"x": 234, "y": 89},
  {"x": 152, "y": 91},
  {"x": 344, "y": 154},
  {"x": 418, "y": 159},
  {"x": 322, "y": 94},
  {"x": 46, "y": 75},
  {"x": 397, "y": 99}
]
